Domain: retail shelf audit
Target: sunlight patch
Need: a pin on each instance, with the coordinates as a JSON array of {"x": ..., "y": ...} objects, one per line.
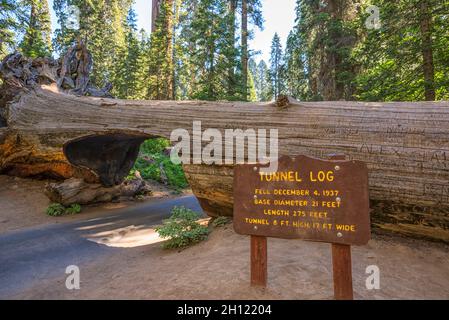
[{"x": 129, "y": 237}]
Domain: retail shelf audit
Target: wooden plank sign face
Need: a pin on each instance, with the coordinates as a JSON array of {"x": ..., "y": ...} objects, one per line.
[{"x": 306, "y": 198}]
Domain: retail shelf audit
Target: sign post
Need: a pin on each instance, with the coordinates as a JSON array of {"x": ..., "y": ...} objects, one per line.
[
  {"x": 259, "y": 268},
  {"x": 309, "y": 199},
  {"x": 342, "y": 264}
]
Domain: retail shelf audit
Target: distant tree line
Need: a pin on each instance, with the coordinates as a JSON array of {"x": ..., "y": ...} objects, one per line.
[{"x": 198, "y": 49}]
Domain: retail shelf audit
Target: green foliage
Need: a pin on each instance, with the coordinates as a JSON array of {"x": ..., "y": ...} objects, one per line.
[
  {"x": 182, "y": 229},
  {"x": 102, "y": 28},
  {"x": 161, "y": 64},
  {"x": 150, "y": 161},
  {"x": 194, "y": 53},
  {"x": 131, "y": 68},
  {"x": 220, "y": 222},
  {"x": 37, "y": 39},
  {"x": 10, "y": 11},
  {"x": 332, "y": 55},
  {"x": 276, "y": 59},
  {"x": 154, "y": 146},
  {"x": 263, "y": 87},
  {"x": 73, "y": 209},
  {"x": 391, "y": 58},
  {"x": 57, "y": 209}
]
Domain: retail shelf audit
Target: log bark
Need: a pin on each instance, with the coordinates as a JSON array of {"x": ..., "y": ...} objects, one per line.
[
  {"x": 78, "y": 191},
  {"x": 406, "y": 145}
]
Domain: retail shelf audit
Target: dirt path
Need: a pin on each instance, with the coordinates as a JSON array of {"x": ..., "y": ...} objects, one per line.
[
  {"x": 218, "y": 269},
  {"x": 23, "y": 204}
]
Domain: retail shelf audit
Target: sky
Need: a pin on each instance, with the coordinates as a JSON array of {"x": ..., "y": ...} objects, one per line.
[{"x": 279, "y": 17}]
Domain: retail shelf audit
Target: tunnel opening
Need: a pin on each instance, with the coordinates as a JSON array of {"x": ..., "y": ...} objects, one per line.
[
  {"x": 114, "y": 157},
  {"x": 110, "y": 157}
]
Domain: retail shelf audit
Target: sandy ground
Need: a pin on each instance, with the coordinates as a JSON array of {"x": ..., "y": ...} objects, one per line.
[
  {"x": 23, "y": 204},
  {"x": 219, "y": 269}
]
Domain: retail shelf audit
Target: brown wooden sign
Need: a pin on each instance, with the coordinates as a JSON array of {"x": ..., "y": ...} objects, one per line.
[{"x": 306, "y": 198}]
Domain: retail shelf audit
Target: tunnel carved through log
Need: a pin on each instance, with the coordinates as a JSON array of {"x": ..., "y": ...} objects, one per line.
[{"x": 110, "y": 157}]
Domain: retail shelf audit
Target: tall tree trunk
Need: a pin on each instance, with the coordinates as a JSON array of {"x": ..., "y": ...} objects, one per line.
[
  {"x": 245, "y": 49},
  {"x": 168, "y": 93},
  {"x": 427, "y": 52},
  {"x": 155, "y": 10},
  {"x": 175, "y": 13},
  {"x": 334, "y": 60},
  {"x": 31, "y": 31},
  {"x": 231, "y": 72},
  {"x": 164, "y": 51}
]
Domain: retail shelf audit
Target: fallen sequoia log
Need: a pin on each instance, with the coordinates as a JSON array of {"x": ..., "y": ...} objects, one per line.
[{"x": 48, "y": 132}]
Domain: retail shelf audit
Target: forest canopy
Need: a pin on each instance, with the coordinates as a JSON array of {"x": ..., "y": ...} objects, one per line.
[{"x": 375, "y": 50}]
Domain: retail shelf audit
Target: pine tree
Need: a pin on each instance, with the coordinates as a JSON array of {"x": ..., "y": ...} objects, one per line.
[
  {"x": 251, "y": 10},
  {"x": 326, "y": 33},
  {"x": 252, "y": 71},
  {"x": 10, "y": 10},
  {"x": 101, "y": 27},
  {"x": 208, "y": 55},
  {"x": 276, "y": 59},
  {"x": 37, "y": 39},
  {"x": 264, "y": 86},
  {"x": 131, "y": 62},
  {"x": 252, "y": 93},
  {"x": 296, "y": 81},
  {"x": 406, "y": 59},
  {"x": 232, "y": 79},
  {"x": 161, "y": 53},
  {"x": 244, "y": 61},
  {"x": 341, "y": 58}
]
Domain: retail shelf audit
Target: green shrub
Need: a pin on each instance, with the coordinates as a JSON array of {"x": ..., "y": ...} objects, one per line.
[
  {"x": 57, "y": 209},
  {"x": 154, "y": 146},
  {"x": 182, "y": 229},
  {"x": 73, "y": 209},
  {"x": 220, "y": 221}
]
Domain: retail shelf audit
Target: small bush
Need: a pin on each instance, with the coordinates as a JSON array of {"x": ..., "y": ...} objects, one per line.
[
  {"x": 73, "y": 209},
  {"x": 220, "y": 222},
  {"x": 57, "y": 209},
  {"x": 182, "y": 229}
]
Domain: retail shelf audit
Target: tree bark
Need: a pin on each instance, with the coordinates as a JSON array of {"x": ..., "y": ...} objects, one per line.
[
  {"x": 427, "y": 52},
  {"x": 245, "y": 49},
  {"x": 231, "y": 72},
  {"x": 77, "y": 191},
  {"x": 155, "y": 10}
]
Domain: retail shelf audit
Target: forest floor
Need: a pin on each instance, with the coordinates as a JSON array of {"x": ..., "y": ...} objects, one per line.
[{"x": 219, "y": 267}]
